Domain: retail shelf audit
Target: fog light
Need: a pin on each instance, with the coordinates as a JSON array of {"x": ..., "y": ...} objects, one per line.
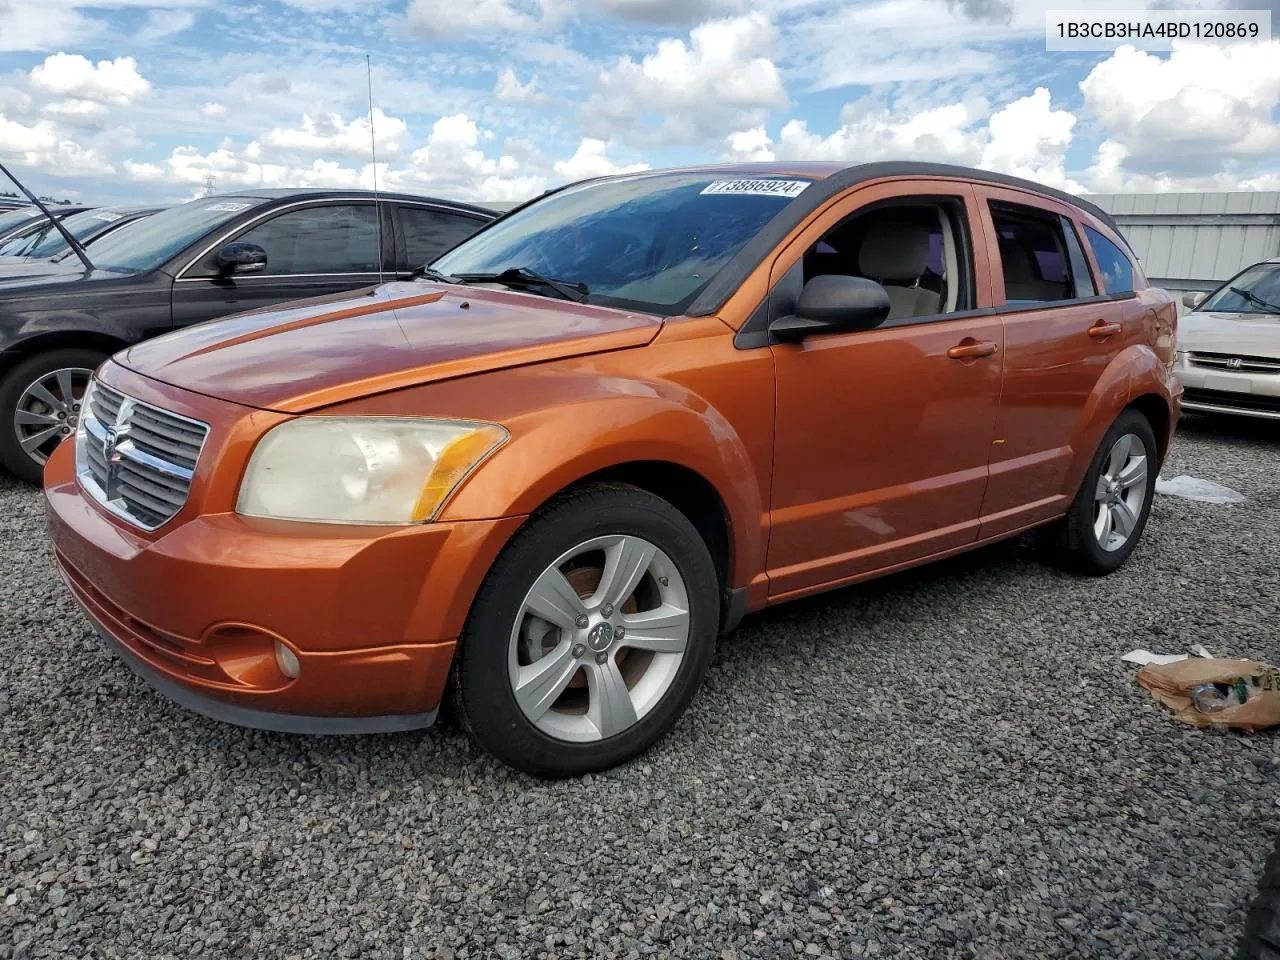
[{"x": 287, "y": 661}]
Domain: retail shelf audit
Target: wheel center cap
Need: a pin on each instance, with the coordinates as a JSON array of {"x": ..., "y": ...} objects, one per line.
[{"x": 600, "y": 637}]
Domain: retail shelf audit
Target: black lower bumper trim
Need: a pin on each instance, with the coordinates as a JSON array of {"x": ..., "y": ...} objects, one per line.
[{"x": 262, "y": 719}]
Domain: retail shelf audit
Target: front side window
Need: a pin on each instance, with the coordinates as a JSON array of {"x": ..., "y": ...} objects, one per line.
[
  {"x": 326, "y": 239},
  {"x": 1034, "y": 258},
  {"x": 914, "y": 250},
  {"x": 1115, "y": 267},
  {"x": 147, "y": 244},
  {"x": 649, "y": 242},
  {"x": 1255, "y": 290},
  {"x": 429, "y": 233}
]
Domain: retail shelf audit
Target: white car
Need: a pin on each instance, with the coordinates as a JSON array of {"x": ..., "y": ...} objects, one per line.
[{"x": 1229, "y": 346}]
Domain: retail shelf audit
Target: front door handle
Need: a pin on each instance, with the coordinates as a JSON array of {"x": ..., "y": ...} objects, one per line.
[
  {"x": 970, "y": 349},
  {"x": 1103, "y": 329}
]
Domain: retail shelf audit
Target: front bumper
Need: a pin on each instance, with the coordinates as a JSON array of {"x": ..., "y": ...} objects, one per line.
[
  {"x": 1209, "y": 390},
  {"x": 371, "y": 614}
]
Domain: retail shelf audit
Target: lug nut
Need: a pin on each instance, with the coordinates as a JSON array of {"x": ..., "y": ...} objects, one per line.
[
  {"x": 578, "y": 650},
  {"x": 601, "y": 658},
  {"x": 618, "y": 632},
  {"x": 581, "y": 620},
  {"x": 607, "y": 610}
]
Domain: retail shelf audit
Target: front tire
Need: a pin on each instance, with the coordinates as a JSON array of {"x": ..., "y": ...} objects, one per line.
[
  {"x": 1110, "y": 511},
  {"x": 590, "y": 635},
  {"x": 39, "y": 406}
]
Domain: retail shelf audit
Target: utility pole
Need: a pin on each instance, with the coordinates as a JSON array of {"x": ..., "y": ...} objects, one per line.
[{"x": 209, "y": 181}]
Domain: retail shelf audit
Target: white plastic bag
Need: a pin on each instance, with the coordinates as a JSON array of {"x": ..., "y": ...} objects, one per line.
[{"x": 1193, "y": 488}]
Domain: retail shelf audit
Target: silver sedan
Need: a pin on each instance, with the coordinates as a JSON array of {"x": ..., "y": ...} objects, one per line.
[{"x": 1229, "y": 346}]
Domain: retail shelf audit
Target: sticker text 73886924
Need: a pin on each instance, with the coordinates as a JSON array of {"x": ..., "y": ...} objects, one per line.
[{"x": 758, "y": 188}]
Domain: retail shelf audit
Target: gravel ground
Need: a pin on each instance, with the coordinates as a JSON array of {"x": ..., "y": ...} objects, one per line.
[{"x": 948, "y": 763}]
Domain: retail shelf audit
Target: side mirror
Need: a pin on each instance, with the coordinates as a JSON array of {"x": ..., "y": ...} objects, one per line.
[
  {"x": 241, "y": 257},
  {"x": 834, "y": 303},
  {"x": 1193, "y": 299}
]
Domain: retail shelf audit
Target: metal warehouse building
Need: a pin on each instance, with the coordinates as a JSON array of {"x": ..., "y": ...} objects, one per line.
[{"x": 1195, "y": 241}]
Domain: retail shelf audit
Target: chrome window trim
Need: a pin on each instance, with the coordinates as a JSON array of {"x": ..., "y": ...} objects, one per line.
[
  {"x": 241, "y": 278},
  {"x": 182, "y": 274}
]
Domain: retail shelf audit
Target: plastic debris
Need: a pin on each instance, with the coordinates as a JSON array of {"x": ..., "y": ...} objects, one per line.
[
  {"x": 1144, "y": 657},
  {"x": 1237, "y": 694},
  {"x": 1201, "y": 491}
]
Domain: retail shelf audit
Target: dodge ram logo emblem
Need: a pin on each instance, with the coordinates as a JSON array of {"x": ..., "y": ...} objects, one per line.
[{"x": 115, "y": 436}]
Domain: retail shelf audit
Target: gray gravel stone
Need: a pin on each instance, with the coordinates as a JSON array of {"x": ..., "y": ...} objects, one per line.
[{"x": 949, "y": 763}]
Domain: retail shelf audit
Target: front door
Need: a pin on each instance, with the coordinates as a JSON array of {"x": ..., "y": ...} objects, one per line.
[
  {"x": 312, "y": 251},
  {"x": 883, "y": 436}
]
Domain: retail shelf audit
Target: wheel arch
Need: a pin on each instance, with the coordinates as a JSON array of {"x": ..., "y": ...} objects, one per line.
[
  {"x": 1156, "y": 409},
  {"x": 50, "y": 340}
]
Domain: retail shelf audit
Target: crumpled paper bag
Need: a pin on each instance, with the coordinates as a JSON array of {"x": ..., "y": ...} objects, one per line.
[{"x": 1172, "y": 684}]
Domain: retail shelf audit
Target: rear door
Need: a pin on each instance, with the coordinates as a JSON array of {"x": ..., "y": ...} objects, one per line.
[
  {"x": 425, "y": 231},
  {"x": 313, "y": 249},
  {"x": 1060, "y": 333}
]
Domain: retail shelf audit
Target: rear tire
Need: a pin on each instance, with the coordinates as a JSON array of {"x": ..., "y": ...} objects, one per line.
[
  {"x": 1110, "y": 511},
  {"x": 35, "y": 417},
  {"x": 1261, "y": 939},
  {"x": 568, "y": 664}
]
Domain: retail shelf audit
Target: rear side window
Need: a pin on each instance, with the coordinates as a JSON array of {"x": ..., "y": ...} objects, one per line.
[
  {"x": 430, "y": 233},
  {"x": 1034, "y": 257},
  {"x": 1115, "y": 267}
]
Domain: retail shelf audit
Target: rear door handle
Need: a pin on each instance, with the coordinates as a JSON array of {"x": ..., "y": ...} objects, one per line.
[
  {"x": 970, "y": 349},
  {"x": 1103, "y": 329}
]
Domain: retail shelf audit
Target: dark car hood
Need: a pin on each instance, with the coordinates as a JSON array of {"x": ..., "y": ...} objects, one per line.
[
  {"x": 19, "y": 268},
  {"x": 327, "y": 350},
  {"x": 61, "y": 278}
]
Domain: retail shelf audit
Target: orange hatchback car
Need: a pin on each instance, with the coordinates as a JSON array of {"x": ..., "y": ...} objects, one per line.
[{"x": 542, "y": 478}]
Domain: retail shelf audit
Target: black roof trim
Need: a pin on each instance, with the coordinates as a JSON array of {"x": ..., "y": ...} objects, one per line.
[
  {"x": 725, "y": 283},
  {"x": 323, "y": 193}
]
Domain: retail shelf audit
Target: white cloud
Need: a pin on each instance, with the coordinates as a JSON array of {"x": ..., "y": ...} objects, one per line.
[
  {"x": 214, "y": 111},
  {"x": 42, "y": 145},
  {"x": 664, "y": 11},
  {"x": 452, "y": 164},
  {"x": 330, "y": 134},
  {"x": 44, "y": 26},
  {"x": 1026, "y": 138},
  {"x": 76, "y": 113},
  {"x": 722, "y": 79},
  {"x": 162, "y": 24},
  {"x": 509, "y": 89},
  {"x": 108, "y": 81},
  {"x": 444, "y": 18},
  {"x": 1190, "y": 114},
  {"x": 590, "y": 161}
]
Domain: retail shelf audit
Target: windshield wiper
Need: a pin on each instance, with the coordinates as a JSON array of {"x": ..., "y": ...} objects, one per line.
[
  {"x": 429, "y": 274},
  {"x": 524, "y": 277},
  {"x": 72, "y": 242},
  {"x": 1253, "y": 298}
]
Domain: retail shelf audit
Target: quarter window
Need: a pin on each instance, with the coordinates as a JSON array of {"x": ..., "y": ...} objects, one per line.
[
  {"x": 334, "y": 238},
  {"x": 1034, "y": 258},
  {"x": 1115, "y": 267},
  {"x": 430, "y": 233}
]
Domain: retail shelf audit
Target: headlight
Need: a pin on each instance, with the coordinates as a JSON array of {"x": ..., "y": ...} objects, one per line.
[{"x": 362, "y": 469}]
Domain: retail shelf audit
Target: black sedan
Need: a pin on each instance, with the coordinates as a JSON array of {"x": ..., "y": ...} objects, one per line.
[
  {"x": 17, "y": 219},
  {"x": 41, "y": 240},
  {"x": 187, "y": 264}
]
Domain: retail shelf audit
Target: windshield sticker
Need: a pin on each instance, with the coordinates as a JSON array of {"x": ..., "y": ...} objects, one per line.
[
  {"x": 758, "y": 188},
  {"x": 106, "y": 216},
  {"x": 228, "y": 207}
]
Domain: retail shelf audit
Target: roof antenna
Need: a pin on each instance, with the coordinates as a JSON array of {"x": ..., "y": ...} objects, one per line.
[
  {"x": 373, "y": 150},
  {"x": 67, "y": 235}
]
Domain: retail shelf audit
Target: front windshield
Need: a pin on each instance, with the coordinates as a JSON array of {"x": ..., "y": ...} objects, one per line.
[
  {"x": 1256, "y": 290},
  {"x": 79, "y": 225},
  {"x": 647, "y": 242},
  {"x": 16, "y": 217},
  {"x": 146, "y": 244}
]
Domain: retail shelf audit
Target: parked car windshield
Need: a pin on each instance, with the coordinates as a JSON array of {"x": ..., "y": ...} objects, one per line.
[
  {"x": 1256, "y": 290},
  {"x": 644, "y": 242},
  {"x": 44, "y": 240},
  {"x": 19, "y": 215},
  {"x": 146, "y": 244}
]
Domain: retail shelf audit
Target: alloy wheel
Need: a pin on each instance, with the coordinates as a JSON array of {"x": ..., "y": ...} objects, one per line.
[
  {"x": 599, "y": 639},
  {"x": 48, "y": 411},
  {"x": 1121, "y": 493}
]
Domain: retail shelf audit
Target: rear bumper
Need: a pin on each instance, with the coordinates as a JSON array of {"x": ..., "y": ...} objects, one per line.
[{"x": 370, "y": 614}]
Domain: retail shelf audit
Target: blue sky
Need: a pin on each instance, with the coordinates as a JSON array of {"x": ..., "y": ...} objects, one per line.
[{"x": 497, "y": 99}]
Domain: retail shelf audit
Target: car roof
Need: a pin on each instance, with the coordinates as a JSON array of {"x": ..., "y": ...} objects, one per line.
[{"x": 324, "y": 193}]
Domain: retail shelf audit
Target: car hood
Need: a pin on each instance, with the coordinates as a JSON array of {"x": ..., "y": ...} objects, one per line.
[
  {"x": 327, "y": 350},
  {"x": 1243, "y": 334},
  {"x": 13, "y": 268},
  {"x": 40, "y": 277}
]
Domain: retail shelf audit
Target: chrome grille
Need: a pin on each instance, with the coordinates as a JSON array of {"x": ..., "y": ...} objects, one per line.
[
  {"x": 1227, "y": 361},
  {"x": 136, "y": 459}
]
